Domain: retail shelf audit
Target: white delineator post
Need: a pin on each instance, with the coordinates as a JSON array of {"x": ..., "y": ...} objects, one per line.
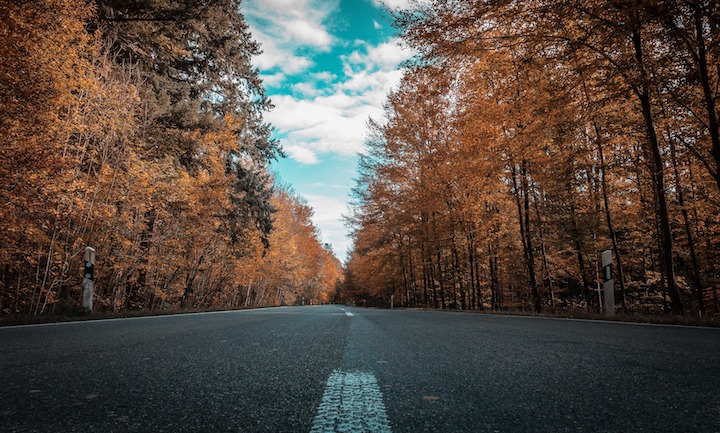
[
  {"x": 88, "y": 279},
  {"x": 392, "y": 301},
  {"x": 608, "y": 284}
]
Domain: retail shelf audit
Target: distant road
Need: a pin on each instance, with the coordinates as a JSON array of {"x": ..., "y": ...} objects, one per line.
[{"x": 332, "y": 368}]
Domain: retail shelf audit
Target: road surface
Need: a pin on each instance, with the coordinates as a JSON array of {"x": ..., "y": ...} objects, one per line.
[{"x": 333, "y": 368}]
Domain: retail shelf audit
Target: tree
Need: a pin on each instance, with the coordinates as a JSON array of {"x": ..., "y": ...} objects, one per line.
[{"x": 563, "y": 121}]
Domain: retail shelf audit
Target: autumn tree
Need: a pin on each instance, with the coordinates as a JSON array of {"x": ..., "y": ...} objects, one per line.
[
  {"x": 576, "y": 124},
  {"x": 137, "y": 128},
  {"x": 41, "y": 72}
]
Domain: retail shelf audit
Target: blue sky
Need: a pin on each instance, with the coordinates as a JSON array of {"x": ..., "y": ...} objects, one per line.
[{"x": 327, "y": 65}]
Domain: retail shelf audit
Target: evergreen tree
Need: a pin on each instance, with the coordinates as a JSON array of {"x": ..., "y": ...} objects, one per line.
[{"x": 196, "y": 59}]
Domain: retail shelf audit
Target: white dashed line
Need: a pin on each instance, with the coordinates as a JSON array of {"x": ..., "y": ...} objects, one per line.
[
  {"x": 347, "y": 313},
  {"x": 352, "y": 402}
]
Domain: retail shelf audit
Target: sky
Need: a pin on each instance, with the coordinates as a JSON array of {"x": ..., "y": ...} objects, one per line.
[{"x": 327, "y": 66}]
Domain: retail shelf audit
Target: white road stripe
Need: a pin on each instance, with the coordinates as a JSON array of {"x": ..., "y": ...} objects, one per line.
[
  {"x": 352, "y": 402},
  {"x": 347, "y": 313},
  {"x": 266, "y": 310}
]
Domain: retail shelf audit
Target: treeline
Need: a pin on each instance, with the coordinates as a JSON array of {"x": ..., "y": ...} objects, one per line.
[
  {"x": 527, "y": 137},
  {"x": 137, "y": 128}
]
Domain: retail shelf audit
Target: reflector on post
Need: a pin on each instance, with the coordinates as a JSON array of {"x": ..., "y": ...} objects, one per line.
[
  {"x": 88, "y": 279},
  {"x": 608, "y": 284}
]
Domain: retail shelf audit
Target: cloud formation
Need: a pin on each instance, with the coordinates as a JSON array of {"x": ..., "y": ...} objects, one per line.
[
  {"x": 300, "y": 154},
  {"x": 324, "y": 89},
  {"x": 321, "y": 112},
  {"x": 286, "y": 28},
  {"x": 393, "y": 4},
  {"x": 328, "y": 216},
  {"x": 334, "y": 121}
]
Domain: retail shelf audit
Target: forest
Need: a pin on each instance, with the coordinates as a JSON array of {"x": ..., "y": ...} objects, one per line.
[
  {"x": 527, "y": 137},
  {"x": 137, "y": 128}
]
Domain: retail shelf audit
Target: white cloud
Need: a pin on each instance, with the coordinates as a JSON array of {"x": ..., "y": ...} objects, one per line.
[
  {"x": 337, "y": 122},
  {"x": 275, "y": 56},
  {"x": 270, "y": 80},
  {"x": 386, "y": 56},
  {"x": 286, "y": 27},
  {"x": 291, "y": 113},
  {"x": 292, "y": 22},
  {"x": 324, "y": 76},
  {"x": 301, "y": 154},
  {"x": 393, "y": 4},
  {"x": 324, "y": 124},
  {"x": 307, "y": 89},
  {"x": 324, "y": 112},
  {"x": 308, "y": 33},
  {"x": 328, "y": 217},
  {"x": 363, "y": 82}
]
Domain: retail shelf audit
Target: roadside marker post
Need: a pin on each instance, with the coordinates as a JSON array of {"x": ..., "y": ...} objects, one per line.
[
  {"x": 88, "y": 279},
  {"x": 392, "y": 301},
  {"x": 608, "y": 284}
]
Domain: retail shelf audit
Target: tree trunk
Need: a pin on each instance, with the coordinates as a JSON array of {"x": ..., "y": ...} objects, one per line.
[
  {"x": 440, "y": 279},
  {"x": 707, "y": 93},
  {"x": 544, "y": 256},
  {"x": 688, "y": 232},
  {"x": 457, "y": 280},
  {"x": 608, "y": 219},
  {"x": 471, "y": 268},
  {"x": 405, "y": 283},
  {"x": 425, "y": 275},
  {"x": 525, "y": 230},
  {"x": 412, "y": 280},
  {"x": 431, "y": 279},
  {"x": 658, "y": 178},
  {"x": 146, "y": 236},
  {"x": 478, "y": 288},
  {"x": 493, "y": 288},
  {"x": 474, "y": 277},
  {"x": 577, "y": 238}
]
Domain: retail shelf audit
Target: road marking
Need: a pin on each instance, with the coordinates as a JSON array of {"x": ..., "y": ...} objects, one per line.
[
  {"x": 609, "y": 322},
  {"x": 569, "y": 319},
  {"x": 352, "y": 401},
  {"x": 347, "y": 313},
  {"x": 259, "y": 310}
]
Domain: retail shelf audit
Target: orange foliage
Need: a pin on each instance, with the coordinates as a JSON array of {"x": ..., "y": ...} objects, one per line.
[
  {"x": 81, "y": 166},
  {"x": 508, "y": 158}
]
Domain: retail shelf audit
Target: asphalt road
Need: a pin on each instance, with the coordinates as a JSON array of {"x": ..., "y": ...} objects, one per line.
[{"x": 297, "y": 369}]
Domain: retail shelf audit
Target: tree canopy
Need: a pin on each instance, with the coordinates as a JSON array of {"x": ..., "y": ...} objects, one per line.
[
  {"x": 542, "y": 133},
  {"x": 137, "y": 128}
]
